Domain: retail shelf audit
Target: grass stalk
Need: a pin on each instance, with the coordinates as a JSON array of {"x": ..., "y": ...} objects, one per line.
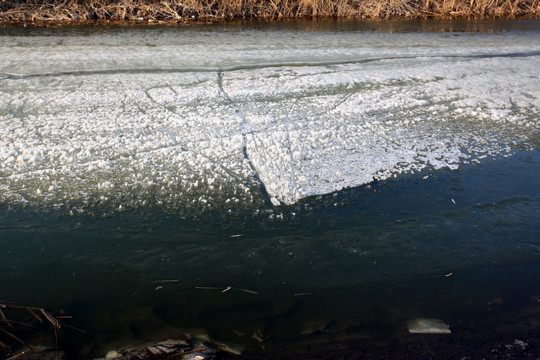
[{"x": 178, "y": 11}]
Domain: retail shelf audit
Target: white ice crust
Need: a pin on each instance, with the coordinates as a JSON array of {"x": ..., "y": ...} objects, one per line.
[{"x": 224, "y": 119}]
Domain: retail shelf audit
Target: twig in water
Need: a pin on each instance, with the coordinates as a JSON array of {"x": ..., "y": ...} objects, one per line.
[
  {"x": 124, "y": 269},
  {"x": 16, "y": 338},
  {"x": 136, "y": 291},
  {"x": 55, "y": 323},
  {"x": 533, "y": 245},
  {"x": 207, "y": 288},
  {"x": 37, "y": 313},
  {"x": 6, "y": 346},
  {"x": 5, "y": 319},
  {"x": 189, "y": 352},
  {"x": 20, "y": 323},
  {"x": 249, "y": 291},
  {"x": 31, "y": 311},
  {"x": 226, "y": 289},
  {"x": 16, "y": 356},
  {"x": 74, "y": 328}
]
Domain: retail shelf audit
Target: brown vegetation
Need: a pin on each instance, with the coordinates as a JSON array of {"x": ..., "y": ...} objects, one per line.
[
  {"x": 174, "y": 11},
  {"x": 8, "y": 328}
]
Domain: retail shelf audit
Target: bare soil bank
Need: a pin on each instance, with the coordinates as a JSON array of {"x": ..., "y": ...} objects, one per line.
[{"x": 182, "y": 11}]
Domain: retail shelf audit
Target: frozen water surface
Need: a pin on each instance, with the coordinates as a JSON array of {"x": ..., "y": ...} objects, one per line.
[
  {"x": 141, "y": 172},
  {"x": 210, "y": 118}
]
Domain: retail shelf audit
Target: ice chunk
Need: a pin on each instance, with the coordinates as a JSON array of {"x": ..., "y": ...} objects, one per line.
[
  {"x": 254, "y": 117},
  {"x": 428, "y": 326}
]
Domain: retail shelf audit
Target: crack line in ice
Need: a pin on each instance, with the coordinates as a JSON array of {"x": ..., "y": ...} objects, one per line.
[
  {"x": 167, "y": 109},
  {"x": 7, "y": 76},
  {"x": 245, "y": 132},
  {"x": 435, "y": 147},
  {"x": 291, "y": 181},
  {"x": 120, "y": 131},
  {"x": 183, "y": 147}
]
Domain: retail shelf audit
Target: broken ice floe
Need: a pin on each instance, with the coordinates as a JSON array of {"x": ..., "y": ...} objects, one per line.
[
  {"x": 228, "y": 133},
  {"x": 428, "y": 326}
]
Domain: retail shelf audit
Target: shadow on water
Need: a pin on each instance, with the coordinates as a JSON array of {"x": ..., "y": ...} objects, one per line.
[
  {"x": 352, "y": 267},
  {"x": 317, "y": 25}
]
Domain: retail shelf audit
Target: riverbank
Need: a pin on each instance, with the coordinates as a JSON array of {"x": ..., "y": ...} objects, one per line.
[
  {"x": 184, "y": 11},
  {"x": 493, "y": 334}
]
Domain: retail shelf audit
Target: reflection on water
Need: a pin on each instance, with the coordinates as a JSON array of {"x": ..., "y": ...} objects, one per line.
[{"x": 316, "y": 25}]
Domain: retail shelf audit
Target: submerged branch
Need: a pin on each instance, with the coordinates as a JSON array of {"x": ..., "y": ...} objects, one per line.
[
  {"x": 11, "y": 335},
  {"x": 39, "y": 314}
]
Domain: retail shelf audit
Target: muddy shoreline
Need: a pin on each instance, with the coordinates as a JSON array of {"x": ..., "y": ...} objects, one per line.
[{"x": 512, "y": 335}]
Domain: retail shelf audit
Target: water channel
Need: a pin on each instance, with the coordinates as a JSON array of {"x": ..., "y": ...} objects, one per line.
[{"x": 271, "y": 183}]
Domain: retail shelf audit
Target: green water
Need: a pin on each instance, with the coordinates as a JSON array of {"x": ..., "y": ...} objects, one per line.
[
  {"x": 370, "y": 258},
  {"x": 134, "y": 252}
]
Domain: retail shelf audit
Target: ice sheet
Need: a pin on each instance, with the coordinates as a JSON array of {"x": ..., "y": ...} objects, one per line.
[{"x": 208, "y": 119}]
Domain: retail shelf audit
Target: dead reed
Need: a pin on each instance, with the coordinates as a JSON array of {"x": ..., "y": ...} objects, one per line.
[
  {"x": 178, "y": 11},
  {"x": 8, "y": 327}
]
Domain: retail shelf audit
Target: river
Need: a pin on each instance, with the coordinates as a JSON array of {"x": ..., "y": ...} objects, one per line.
[{"x": 270, "y": 182}]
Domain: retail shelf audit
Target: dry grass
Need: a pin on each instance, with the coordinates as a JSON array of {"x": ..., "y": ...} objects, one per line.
[
  {"x": 172, "y": 11},
  {"x": 8, "y": 328}
]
